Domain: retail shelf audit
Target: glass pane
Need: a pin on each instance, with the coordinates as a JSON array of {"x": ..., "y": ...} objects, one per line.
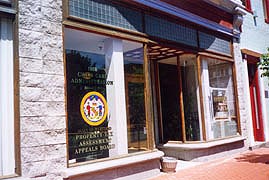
[
  {"x": 190, "y": 90},
  {"x": 219, "y": 88},
  {"x": 169, "y": 89},
  {"x": 98, "y": 115},
  {"x": 135, "y": 100},
  {"x": 88, "y": 131}
]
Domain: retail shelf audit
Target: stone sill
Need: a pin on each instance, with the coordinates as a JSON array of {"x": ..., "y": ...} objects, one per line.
[
  {"x": 110, "y": 164},
  {"x": 202, "y": 145}
]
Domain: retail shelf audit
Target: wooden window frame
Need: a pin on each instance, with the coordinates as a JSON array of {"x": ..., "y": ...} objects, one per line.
[
  {"x": 248, "y": 6},
  {"x": 71, "y": 24},
  {"x": 17, "y": 151},
  {"x": 266, "y": 11},
  {"x": 204, "y": 138},
  {"x": 237, "y": 116}
]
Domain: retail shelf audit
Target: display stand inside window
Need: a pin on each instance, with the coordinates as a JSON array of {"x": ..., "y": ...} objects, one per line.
[{"x": 221, "y": 99}]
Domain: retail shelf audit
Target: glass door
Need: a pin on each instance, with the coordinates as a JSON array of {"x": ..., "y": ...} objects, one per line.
[{"x": 170, "y": 102}]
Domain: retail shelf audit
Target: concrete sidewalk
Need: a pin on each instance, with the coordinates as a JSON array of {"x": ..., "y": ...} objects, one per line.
[{"x": 250, "y": 165}]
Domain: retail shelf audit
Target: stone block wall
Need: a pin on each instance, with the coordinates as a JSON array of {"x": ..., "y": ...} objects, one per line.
[
  {"x": 42, "y": 101},
  {"x": 243, "y": 92}
]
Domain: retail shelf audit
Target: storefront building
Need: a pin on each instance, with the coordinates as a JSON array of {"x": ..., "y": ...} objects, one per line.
[
  {"x": 108, "y": 87},
  {"x": 256, "y": 25}
]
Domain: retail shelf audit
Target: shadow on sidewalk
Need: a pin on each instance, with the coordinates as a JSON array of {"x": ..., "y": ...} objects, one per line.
[{"x": 254, "y": 158}]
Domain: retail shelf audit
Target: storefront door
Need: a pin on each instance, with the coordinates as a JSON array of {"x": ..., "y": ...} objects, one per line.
[
  {"x": 255, "y": 102},
  {"x": 136, "y": 123},
  {"x": 169, "y": 92},
  {"x": 177, "y": 95}
]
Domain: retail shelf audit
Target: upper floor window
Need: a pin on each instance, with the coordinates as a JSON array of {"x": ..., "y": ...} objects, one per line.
[
  {"x": 247, "y": 4},
  {"x": 266, "y": 10}
]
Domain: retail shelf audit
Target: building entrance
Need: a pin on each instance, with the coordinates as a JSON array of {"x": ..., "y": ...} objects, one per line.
[
  {"x": 177, "y": 94},
  {"x": 254, "y": 90}
]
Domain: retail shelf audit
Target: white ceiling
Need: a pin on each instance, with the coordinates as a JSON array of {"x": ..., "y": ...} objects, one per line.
[{"x": 90, "y": 42}]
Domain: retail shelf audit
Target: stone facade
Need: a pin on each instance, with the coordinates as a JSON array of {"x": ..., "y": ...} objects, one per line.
[
  {"x": 42, "y": 99},
  {"x": 243, "y": 102},
  {"x": 42, "y": 107}
]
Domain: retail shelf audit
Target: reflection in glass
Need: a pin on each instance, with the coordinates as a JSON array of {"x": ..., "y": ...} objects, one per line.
[
  {"x": 221, "y": 98},
  {"x": 135, "y": 100},
  {"x": 85, "y": 73},
  {"x": 190, "y": 97}
]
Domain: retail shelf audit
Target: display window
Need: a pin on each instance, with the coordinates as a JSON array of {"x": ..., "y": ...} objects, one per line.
[
  {"x": 195, "y": 95},
  {"x": 105, "y": 97},
  {"x": 219, "y": 98}
]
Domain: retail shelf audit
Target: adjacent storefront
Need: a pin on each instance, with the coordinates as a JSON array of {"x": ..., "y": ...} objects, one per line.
[{"x": 104, "y": 89}]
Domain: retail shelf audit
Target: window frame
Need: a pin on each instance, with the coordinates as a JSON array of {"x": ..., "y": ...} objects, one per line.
[
  {"x": 147, "y": 91},
  {"x": 247, "y": 5},
  {"x": 16, "y": 98},
  {"x": 237, "y": 114},
  {"x": 204, "y": 138},
  {"x": 266, "y": 11}
]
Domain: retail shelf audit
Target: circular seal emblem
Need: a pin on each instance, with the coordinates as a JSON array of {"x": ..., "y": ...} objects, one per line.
[{"x": 93, "y": 108}]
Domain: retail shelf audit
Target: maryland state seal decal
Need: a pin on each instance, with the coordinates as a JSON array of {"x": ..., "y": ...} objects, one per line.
[{"x": 93, "y": 108}]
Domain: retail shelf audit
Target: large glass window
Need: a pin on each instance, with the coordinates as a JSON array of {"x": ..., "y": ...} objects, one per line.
[
  {"x": 105, "y": 96},
  {"x": 219, "y": 98},
  {"x": 195, "y": 103},
  {"x": 190, "y": 90},
  {"x": 135, "y": 100},
  {"x": 7, "y": 149}
]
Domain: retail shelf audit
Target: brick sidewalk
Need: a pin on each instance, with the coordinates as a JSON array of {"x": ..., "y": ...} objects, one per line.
[{"x": 250, "y": 165}]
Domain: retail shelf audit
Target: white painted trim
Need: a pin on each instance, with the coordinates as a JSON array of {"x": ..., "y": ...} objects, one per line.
[
  {"x": 263, "y": 106},
  {"x": 250, "y": 132}
]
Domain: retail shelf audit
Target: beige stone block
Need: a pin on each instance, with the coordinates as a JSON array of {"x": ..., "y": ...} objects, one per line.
[
  {"x": 30, "y": 8},
  {"x": 42, "y": 108},
  {"x": 30, "y": 51},
  {"x": 52, "y": 14},
  {"x": 54, "y": 28},
  {"x": 42, "y": 138},
  {"x": 30, "y": 139},
  {"x": 41, "y": 80},
  {"x": 42, "y": 123},
  {"x": 52, "y": 41},
  {"x": 30, "y": 23},
  {"x": 53, "y": 67},
  {"x": 55, "y": 137},
  {"x": 33, "y": 154},
  {"x": 30, "y": 94},
  {"x": 30, "y": 44},
  {"x": 57, "y": 4},
  {"x": 31, "y": 65},
  {"x": 43, "y": 169},
  {"x": 55, "y": 151},
  {"x": 53, "y": 94},
  {"x": 54, "y": 54},
  {"x": 35, "y": 94}
]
